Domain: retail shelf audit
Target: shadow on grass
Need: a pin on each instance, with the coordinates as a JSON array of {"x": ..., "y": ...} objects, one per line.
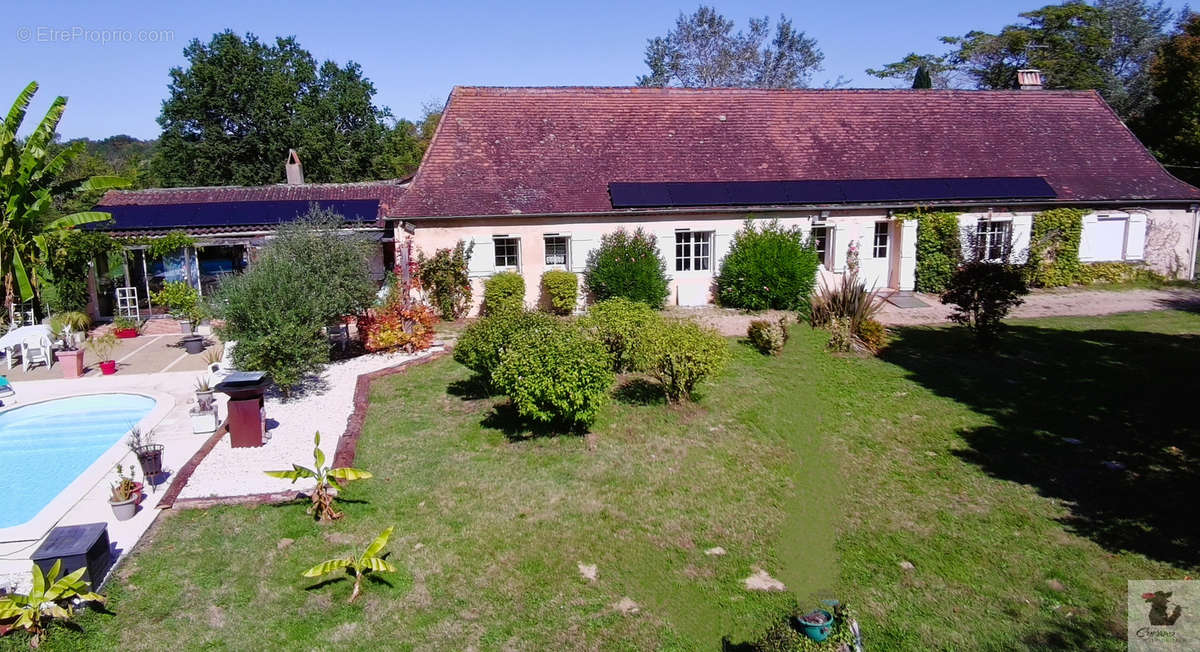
[
  {"x": 504, "y": 417},
  {"x": 640, "y": 391},
  {"x": 1102, "y": 420},
  {"x": 475, "y": 388}
]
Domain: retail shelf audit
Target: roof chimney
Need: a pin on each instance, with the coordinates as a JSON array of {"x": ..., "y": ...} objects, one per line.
[
  {"x": 295, "y": 172},
  {"x": 1029, "y": 79}
]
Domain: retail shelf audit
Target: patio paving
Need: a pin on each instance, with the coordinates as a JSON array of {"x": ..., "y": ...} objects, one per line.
[{"x": 145, "y": 354}]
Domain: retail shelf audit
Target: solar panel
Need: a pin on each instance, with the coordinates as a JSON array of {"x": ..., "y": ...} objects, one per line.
[
  {"x": 237, "y": 213},
  {"x": 762, "y": 193}
]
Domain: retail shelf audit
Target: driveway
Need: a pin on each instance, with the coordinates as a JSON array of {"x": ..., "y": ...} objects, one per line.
[{"x": 1059, "y": 302}]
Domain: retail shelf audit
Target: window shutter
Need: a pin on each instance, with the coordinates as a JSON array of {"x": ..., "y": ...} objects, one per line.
[
  {"x": 1087, "y": 251},
  {"x": 1022, "y": 229},
  {"x": 968, "y": 225},
  {"x": 1135, "y": 238},
  {"x": 580, "y": 248},
  {"x": 483, "y": 258},
  {"x": 841, "y": 241},
  {"x": 721, "y": 242}
]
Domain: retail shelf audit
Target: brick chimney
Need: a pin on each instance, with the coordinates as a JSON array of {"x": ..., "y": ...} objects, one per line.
[
  {"x": 1029, "y": 79},
  {"x": 295, "y": 172}
]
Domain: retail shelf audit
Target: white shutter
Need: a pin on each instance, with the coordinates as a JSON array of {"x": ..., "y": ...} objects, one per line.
[
  {"x": 1087, "y": 236},
  {"x": 580, "y": 248},
  {"x": 841, "y": 241},
  {"x": 721, "y": 243},
  {"x": 968, "y": 225},
  {"x": 483, "y": 258},
  {"x": 1022, "y": 229},
  {"x": 1135, "y": 237}
]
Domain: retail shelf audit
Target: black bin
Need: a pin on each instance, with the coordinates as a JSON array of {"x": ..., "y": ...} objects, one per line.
[{"x": 78, "y": 546}]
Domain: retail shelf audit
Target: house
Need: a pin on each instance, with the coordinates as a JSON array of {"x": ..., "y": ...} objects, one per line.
[
  {"x": 224, "y": 226},
  {"x": 533, "y": 177}
]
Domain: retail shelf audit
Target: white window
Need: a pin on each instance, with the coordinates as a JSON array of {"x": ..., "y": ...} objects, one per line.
[
  {"x": 508, "y": 252},
  {"x": 821, "y": 237},
  {"x": 993, "y": 237},
  {"x": 1113, "y": 237},
  {"x": 693, "y": 251},
  {"x": 880, "y": 244},
  {"x": 558, "y": 249}
]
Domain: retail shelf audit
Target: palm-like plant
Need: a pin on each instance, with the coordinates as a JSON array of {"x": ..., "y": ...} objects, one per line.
[
  {"x": 322, "y": 497},
  {"x": 29, "y": 183},
  {"x": 52, "y": 598},
  {"x": 359, "y": 565}
]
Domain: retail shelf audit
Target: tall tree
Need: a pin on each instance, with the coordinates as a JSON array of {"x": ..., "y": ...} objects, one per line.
[
  {"x": 240, "y": 104},
  {"x": 704, "y": 51},
  {"x": 1171, "y": 127},
  {"x": 407, "y": 142},
  {"x": 922, "y": 79},
  {"x": 31, "y": 179},
  {"x": 1105, "y": 46}
]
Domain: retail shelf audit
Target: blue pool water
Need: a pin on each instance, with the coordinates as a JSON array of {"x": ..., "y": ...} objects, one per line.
[{"x": 45, "y": 446}]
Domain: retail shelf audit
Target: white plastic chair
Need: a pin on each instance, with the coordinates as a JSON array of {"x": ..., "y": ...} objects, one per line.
[{"x": 36, "y": 349}]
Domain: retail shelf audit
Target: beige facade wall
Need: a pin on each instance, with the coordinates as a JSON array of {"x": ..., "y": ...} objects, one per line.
[{"x": 1169, "y": 241}]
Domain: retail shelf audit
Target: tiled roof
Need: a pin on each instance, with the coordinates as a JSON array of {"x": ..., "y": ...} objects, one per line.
[
  {"x": 386, "y": 192},
  {"x": 502, "y": 151}
]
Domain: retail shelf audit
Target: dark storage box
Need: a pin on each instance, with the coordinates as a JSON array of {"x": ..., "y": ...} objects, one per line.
[{"x": 78, "y": 546}]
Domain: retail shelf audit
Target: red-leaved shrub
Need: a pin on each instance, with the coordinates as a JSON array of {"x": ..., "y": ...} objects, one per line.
[{"x": 398, "y": 326}]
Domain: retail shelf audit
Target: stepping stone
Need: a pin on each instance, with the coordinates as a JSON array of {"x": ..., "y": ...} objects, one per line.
[
  {"x": 907, "y": 565},
  {"x": 588, "y": 571},
  {"x": 761, "y": 581},
  {"x": 626, "y": 606},
  {"x": 906, "y": 300}
]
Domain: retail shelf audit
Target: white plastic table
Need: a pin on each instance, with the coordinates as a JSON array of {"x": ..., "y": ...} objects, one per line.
[{"x": 10, "y": 342}]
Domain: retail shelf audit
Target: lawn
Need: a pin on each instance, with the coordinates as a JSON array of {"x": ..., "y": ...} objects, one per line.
[{"x": 825, "y": 471}]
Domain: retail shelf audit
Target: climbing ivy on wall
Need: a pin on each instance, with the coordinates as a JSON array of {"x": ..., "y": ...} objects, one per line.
[
  {"x": 939, "y": 249},
  {"x": 1054, "y": 248}
]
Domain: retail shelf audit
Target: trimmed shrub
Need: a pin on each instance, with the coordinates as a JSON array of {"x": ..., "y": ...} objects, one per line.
[
  {"x": 939, "y": 250},
  {"x": 627, "y": 265},
  {"x": 873, "y": 335},
  {"x": 768, "y": 267},
  {"x": 504, "y": 292},
  {"x": 555, "y": 374},
  {"x": 1119, "y": 273},
  {"x": 562, "y": 289},
  {"x": 480, "y": 346},
  {"x": 444, "y": 278},
  {"x": 982, "y": 294},
  {"x": 621, "y": 325},
  {"x": 1054, "y": 248},
  {"x": 397, "y": 326},
  {"x": 768, "y": 336},
  {"x": 681, "y": 353}
]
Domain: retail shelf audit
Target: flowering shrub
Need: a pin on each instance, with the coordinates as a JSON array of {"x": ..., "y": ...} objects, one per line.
[
  {"x": 444, "y": 278},
  {"x": 504, "y": 292},
  {"x": 398, "y": 326},
  {"x": 768, "y": 266},
  {"x": 627, "y": 265},
  {"x": 852, "y": 257}
]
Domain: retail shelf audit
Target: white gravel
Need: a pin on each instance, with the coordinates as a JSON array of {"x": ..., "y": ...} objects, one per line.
[{"x": 325, "y": 406}]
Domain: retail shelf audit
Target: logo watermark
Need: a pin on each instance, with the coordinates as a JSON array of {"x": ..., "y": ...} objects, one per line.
[
  {"x": 100, "y": 36},
  {"x": 1164, "y": 615}
]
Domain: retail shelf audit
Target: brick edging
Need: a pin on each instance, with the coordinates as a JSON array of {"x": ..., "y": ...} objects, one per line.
[
  {"x": 347, "y": 446},
  {"x": 343, "y": 456}
]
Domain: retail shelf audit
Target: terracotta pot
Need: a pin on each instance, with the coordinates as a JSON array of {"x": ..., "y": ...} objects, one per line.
[
  {"x": 126, "y": 333},
  {"x": 71, "y": 362},
  {"x": 108, "y": 367}
]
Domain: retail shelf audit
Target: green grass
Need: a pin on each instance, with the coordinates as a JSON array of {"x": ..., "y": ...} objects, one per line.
[{"x": 825, "y": 471}]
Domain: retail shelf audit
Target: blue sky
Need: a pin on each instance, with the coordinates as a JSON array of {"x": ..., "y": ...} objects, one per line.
[{"x": 416, "y": 52}]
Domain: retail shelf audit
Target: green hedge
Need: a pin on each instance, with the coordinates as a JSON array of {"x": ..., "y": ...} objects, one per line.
[
  {"x": 627, "y": 264},
  {"x": 768, "y": 266},
  {"x": 504, "y": 292},
  {"x": 555, "y": 374},
  {"x": 562, "y": 290},
  {"x": 939, "y": 249},
  {"x": 1054, "y": 248}
]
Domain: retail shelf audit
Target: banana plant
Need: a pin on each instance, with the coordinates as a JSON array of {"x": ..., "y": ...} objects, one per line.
[
  {"x": 322, "y": 497},
  {"x": 360, "y": 565},
  {"x": 30, "y": 181},
  {"x": 52, "y": 598}
]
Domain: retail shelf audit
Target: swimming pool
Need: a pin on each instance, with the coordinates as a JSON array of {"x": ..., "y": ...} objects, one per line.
[{"x": 45, "y": 446}]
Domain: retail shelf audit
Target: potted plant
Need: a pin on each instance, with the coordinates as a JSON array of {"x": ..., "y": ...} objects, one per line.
[
  {"x": 70, "y": 325},
  {"x": 102, "y": 346},
  {"x": 149, "y": 454},
  {"x": 204, "y": 393},
  {"x": 125, "y": 496},
  {"x": 125, "y": 327},
  {"x": 181, "y": 300}
]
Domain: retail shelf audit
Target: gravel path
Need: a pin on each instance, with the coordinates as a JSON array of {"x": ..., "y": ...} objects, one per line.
[
  {"x": 323, "y": 405},
  {"x": 1040, "y": 303}
]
